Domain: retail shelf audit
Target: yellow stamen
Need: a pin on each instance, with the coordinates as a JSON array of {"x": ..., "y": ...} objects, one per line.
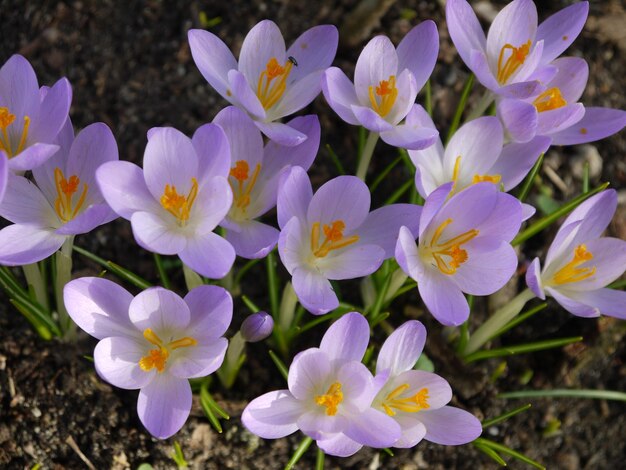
[
  {"x": 495, "y": 179},
  {"x": 332, "y": 399},
  {"x": 412, "y": 404},
  {"x": 178, "y": 205},
  {"x": 450, "y": 249},
  {"x": 455, "y": 173},
  {"x": 66, "y": 188},
  {"x": 157, "y": 358},
  {"x": 385, "y": 97},
  {"x": 571, "y": 272},
  {"x": 333, "y": 238},
  {"x": 268, "y": 90},
  {"x": 242, "y": 192},
  {"x": 6, "y": 119},
  {"x": 514, "y": 61},
  {"x": 549, "y": 100}
]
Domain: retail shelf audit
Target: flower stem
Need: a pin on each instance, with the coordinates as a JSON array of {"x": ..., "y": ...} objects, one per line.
[
  {"x": 481, "y": 106},
  {"x": 366, "y": 156},
  {"x": 63, "y": 275},
  {"x": 36, "y": 285},
  {"x": 497, "y": 321}
]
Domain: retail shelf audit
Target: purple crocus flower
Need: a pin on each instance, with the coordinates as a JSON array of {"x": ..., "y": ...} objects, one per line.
[
  {"x": 269, "y": 82},
  {"x": 65, "y": 201},
  {"x": 329, "y": 397},
  {"x": 386, "y": 83},
  {"x": 153, "y": 342},
  {"x": 30, "y": 117},
  {"x": 179, "y": 198},
  {"x": 332, "y": 234},
  {"x": 510, "y": 60},
  {"x": 463, "y": 247},
  {"x": 556, "y": 112},
  {"x": 254, "y": 176},
  {"x": 416, "y": 399},
  {"x": 474, "y": 154},
  {"x": 580, "y": 263}
]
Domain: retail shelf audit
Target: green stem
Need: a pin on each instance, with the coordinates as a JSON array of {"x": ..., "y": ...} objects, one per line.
[
  {"x": 497, "y": 321},
  {"x": 302, "y": 448},
  {"x": 319, "y": 460},
  {"x": 272, "y": 282},
  {"x": 481, "y": 106},
  {"x": 366, "y": 156},
  {"x": 428, "y": 99},
  {"x": 165, "y": 280},
  {"x": 456, "y": 120},
  {"x": 63, "y": 275},
  {"x": 36, "y": 285}
]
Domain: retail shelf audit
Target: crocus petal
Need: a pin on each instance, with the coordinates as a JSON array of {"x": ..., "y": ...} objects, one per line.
[
  {"x": 559, "y": 30},
  {"x": 211, "y": 311},
  {"x": 609, "y": 258},
  {"x": 347, "y": 338},
  {"x": 158, "y": 309},
  {"x": 378, "y": 61},
  {"x": 373, "y": 428},
  {"x": 464, "y": 28},
  {"x": 418, "y": 51},
  {"x": 293, "y": 243},
  {"x": 354, "y": 261},
  {"x": 402, "y": 348},
  {"x": 370, "y": 119},
  {"x": 504, "y": 221},
  {"x": 33, "y": 156},
  {"x": 263, "y": 42},
  {"x": 246, "y": 98},
  {"x": 298, "y": 95},
  {"x": 25, "y": 244},
  {"x": 99, "y": 307},
  {"x": 213, "y": 150},
  {"x": 308, "y": 373},
  {"x": 117, "y": 361},
  {"x": 294, "y": 196},
  {"x": 558, "y": 119},
  {"x": 317, "y": 423},
  {"x": 381, "y": 227},
  {"x": 213, "y": 202},
  {"x": 246, "y": 142},
  {"x": 407, "y": 254},
  {"x": 410, "y": 137},
  {"x": 340, "y": 94},
  {"x": 517, "y": 159},
  {"x": 53, "y": 112},
  {"x": 4, "y": 174},
  {"x": 413, "y": 431},
  {"x": 213, "y": 58},
  {"x": 596, "y": 124},
  {"x": 533, "y": 279},
  {"x": 338, "y": 445},
  {"x": 272, "y": 415},
  {"x": 281, "y": 133},
  {"x": 23, "y": 203},
  {"x": 314, "y": 291},
  {"x": 164, "y": 405},
  {"x": 478, "y": 63},
  {"x": 450, "y": 426},
  {"x": 438, "y": 390},
  {"x": 407, "y": 92},
  {"x": 522, "y": 90},
  {"x": 88, "y": 219},
  {"x": 575, "y": 307},
  {"x": 314, "y": 50},
  {"x": 571, "y": 77},
  {"x": 358, "y": 385},
  {"x": 434, "y": 202},
  {"x": 209, "y": 255},
  {"x": 519, "y": 119},
  {"x": 253, "y": 240},
  {"x": 19, "y": 90},
  {"x": 199, "y": 360},
  {"x": 443, "y": 298},
  {"x": 156, "y": 235},
  {"x": 611, "y": 302}
]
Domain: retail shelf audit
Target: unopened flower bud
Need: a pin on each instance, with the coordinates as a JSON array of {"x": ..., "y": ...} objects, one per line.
[{"x": 257, "y": 327}]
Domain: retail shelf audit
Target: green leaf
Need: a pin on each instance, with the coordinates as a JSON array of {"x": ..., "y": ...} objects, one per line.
[
  {"x": 165, "y": 280},
  {"x": 567, "y": 393},
  {"x": 116, "y": 269},
  {"x": 490, "y": 453},
  {"x": 302, "y": 448},
  {"x": 279, "y": 364},
  {"x": 456, "y": 120},
  {"x": 522, "y": 348},
  {"x": 506, "y": 450},
  {"x": 399, "y": 192},
  {"x": 336, "y": 160},
  {"x": 519, "y": 319},
  {"x": 505, "y": 416},
  {"x": 272, "y": 282},
  {"x": 383, "y": 174}
]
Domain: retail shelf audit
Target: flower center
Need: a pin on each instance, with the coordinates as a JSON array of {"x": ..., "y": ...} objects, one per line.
[
  {"x": 475, "y": 179},
  {"x": 449, "y": 255},
  {"x": 333, "y": 238},
  {"x": 549, "y": 99},
  {"x": 157, "y": 358},
  {"x": 516, "y": 58},
  {"x": 6, "y": 119},
  {"x": 241, "y": 192},
  {"x": 386, "y": 93},
  {"x": 411, "y": 404},
  {"x": 177, "y": 204},
  {"x": 332, "y": 398},
  {"x": 273, "y": 82},
  {"x": 63, "y": 204},
  {"x": 571, "y": 272}
]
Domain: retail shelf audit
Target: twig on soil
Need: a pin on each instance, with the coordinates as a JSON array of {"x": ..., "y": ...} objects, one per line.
[{"x": 72, "y": 443}]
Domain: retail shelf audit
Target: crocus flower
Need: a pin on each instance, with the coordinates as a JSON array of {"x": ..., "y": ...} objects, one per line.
[
  {"x": 511, "y": 60},
  {"x": 30, "y": 118},
  {"x": 254, "y": 175},
  {"x": 153, "y": 342},
  {"x": 557, "y": 113},
  {"x": 329, "y": 397},
  {"x": 416, "y": 399},
  {"x": 64, "y": 201},
  {"x": 580, "y": 263},
  {"x": 269, "y": 82},
  {"x": 257, "y": 327},
  {"x": 332, "y": 234},
  {"x": 179, "y": 198},
  {"x": 463, "y": 247},
  {"x": 474, "y": 154},
  {"x": 386, "y": 83}
]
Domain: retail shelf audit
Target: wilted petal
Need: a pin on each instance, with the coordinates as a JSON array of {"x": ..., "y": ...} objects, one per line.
[{"x": 164, "y": 405}]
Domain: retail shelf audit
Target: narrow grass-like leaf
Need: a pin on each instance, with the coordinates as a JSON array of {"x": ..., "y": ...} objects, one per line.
[
  {"x": 506, "y": 450},
  {"x": 319, "y": 459},
  {"x": 297, "y": 455},
  {"x": 428, "y": 98},
  {"x": 324, "y": 318},
  {"x": 279, "y": 364},
  {"x": 520, "y": 318},
  {"x": 245, "y": 268},
  {"x": 272, "y": 282},
  {"x": 586, "y": 178},
  {"x": 530, "y": 179},
  {"x": 490, "y": 453},
  {"x": 522, "y": 348},
  {"x": 398, "y": 193},
  {"x": 383, "y": 174},
  {"x": 505, "y": 416},
  {"x": 456, "y": 120},
  {"x": 336, "y": 160},
  {"x": 165, "y": 280},
  {"x": 41, "y": 329},
  {"x": 251, "y": 305},
  {"x": 567, "y": 393},
  {"x": 116, "y": 269}
]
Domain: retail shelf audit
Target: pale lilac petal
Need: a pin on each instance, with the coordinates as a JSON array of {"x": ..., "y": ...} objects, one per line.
[
  {"x": 402, "y": 348},
  {"x": 410, "y": 137},
  {"x": 338, "y": 445},
  {"x": 479, "y": 65},
  {"x": 213, "y": 202},
  {"x": 418, "y": 51},
  {"x": 358, "y": 385},
  {"x": 432, "y": 206},
  {"x": 504, "y": 221},
  {"x": 558, "y": 119},
  {"x": 407, "y": 92},
  {"x": 373, "y": 428},
  {"x": 438, "y": 390},
  {"x": 298, "y": 95},
  {"x": 516, "y": 160},
  {"x": 575, "y": 307},
  {"x": 596, "y": 124},
  {"x": 527, "y": 211},
  {"x": 253, "y": 240},
  {"x": 314, "y": 291},
  {"x": 19, "y": 90},
  {"x": 4, "y": 174},
  {"x": 32, "y": 157},
  {"x": 263, "y": 42},
  {"x": 164, "y": 405},
  {"x": 272, "y": 415},
  {"x": 88, "y": 219},
  {"x": 413, "y": 431},
  {"x": 246, "y": 98},
  {"x": 353, "y": 261},
  {"x": 522, "y": 90},
  {"x": 213, "y": 150},
  {"x": 611, "y": 302},
  {"x": 156, "y": 235},
  {"x": 559, "y": 30},
  {"x": 519, "y": 119},
  {"x": 316, "y": 423},
  {"x": 571, "y": 77},
  {"x": 344, "y": 198},
  {"x": 450, "y": 426},
  {"x": 347, "y": 338},
  {"x": 160, "y": 310},
  {"x": 443, "y": 298},
  {"x": 609, "y": 258},
  {"x": 294, "y": 245},
  {"x": 314, "y": 50},
  {"x": 294, "y": 196},
  {"x": 281, "y": 133},
  {"x": 407, "y": 254},
  {"x": 117, "y": 361},
  {"x": 246, "y": 142},
  {"x": 529, "y": 66},
  {"x": 24, "y": 203},
  {"x": 25, "y": 244},
  {"x": 99, "y": 307},
  {"x": 211, "y": 311},
  {"x": 124, "y": 188},
  {"x": 381, "y": 227},
  {"x": 378, "y": 61},
  {"x": 566, "y": 234},
  {"x": 213, "y": 58},
  {"x": 533, "y": 279},
  {"x": 308, "y": 374},
  {"x": 370, "y": 119},
  {"x": 199, "y": 360},
  {"x": 464, "y": 28},
  {"x": 53, "y": 112},
  {"x": 209, "y": 255},
  {"x": 340, "y": 94}
]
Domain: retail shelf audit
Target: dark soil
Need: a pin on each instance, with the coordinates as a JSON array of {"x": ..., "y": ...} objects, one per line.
[{"x": 131, "y": 68}]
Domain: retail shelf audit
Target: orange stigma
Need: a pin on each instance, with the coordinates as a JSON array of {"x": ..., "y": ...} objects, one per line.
[
  {"x": 242, "y": 191},
  {"x": 385, "y": 97},
  {"x": 332, "y": 399},
  {"x": 177, "y": 204},
  {"x": 549, "y": 100},
  {"x": 333, "y": 240},
  {"x": 513, "y": 62},
  {"x": 411, "y": 404},
  {"x": 449, "y": 255},
  {"x": 7, "y": 119},
  {"x": 571, "y": 272},
  {"x": 66, "y": 188},
  {"x": 273, "y": 82},
  {"x": 157, "y": 358}
]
